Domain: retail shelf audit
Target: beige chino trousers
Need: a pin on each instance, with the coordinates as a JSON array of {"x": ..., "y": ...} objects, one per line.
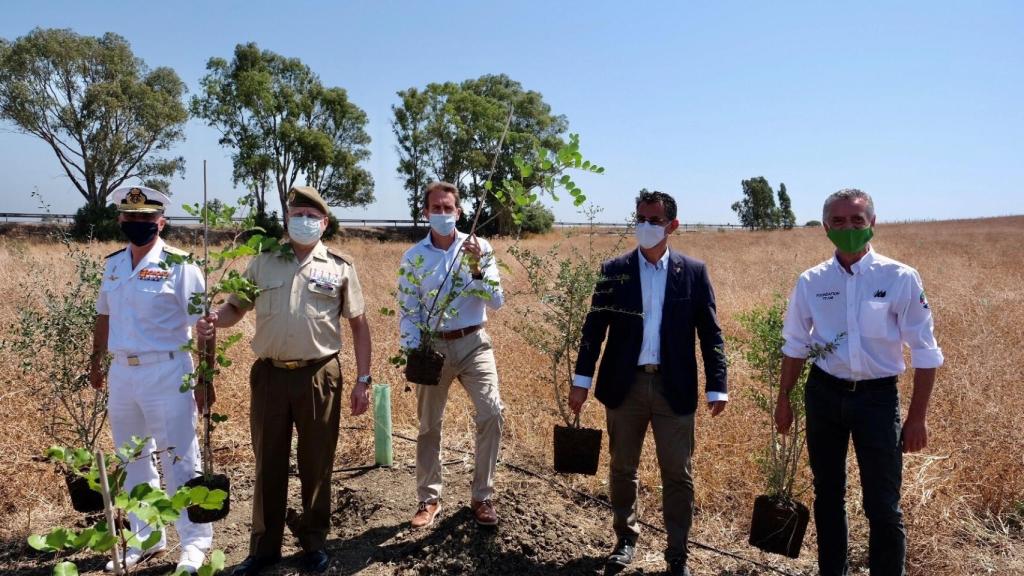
[{"x": 471, "y": 360}]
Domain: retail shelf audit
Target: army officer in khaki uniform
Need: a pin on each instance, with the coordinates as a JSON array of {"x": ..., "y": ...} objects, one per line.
[{"x": 297, "y": 378}]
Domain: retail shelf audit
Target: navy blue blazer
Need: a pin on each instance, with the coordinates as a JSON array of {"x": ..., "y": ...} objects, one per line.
[{"x": 689, "y": 311}]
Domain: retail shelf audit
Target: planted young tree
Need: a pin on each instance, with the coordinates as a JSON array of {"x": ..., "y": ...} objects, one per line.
[
  {"x": 105, "y": 473},
  {"x": 561, "y": 282},
  {"x": 779, "y": 519},
  {"x": 217, "y": 265},
  {"x": 423, "y": 364},
  {"x": 46, "y": 339}
]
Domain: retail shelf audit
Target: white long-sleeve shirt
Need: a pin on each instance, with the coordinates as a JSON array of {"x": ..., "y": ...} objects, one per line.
[
  {"x": 428, "y": 265},
  {"x": 880, "y": 306}
]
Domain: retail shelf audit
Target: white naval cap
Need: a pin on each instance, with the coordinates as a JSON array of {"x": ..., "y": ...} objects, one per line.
[{"x": 138, "y": 199}]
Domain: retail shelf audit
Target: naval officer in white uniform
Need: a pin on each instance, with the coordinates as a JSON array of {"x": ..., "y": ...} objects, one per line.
[{"x": 143, "y": 322}]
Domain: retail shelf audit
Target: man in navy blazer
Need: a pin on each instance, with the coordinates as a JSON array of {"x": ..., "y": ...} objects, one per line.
[{"x": 652, "y": 304}]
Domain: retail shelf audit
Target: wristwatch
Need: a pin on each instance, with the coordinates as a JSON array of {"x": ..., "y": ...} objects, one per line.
[{"x": 367, "y": 379}]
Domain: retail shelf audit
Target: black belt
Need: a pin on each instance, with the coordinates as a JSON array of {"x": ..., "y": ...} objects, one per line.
[
  {"x": 851, "y": 385},
  {"x": 295, "y": 364},
  {"x": 649, "y": 368}
]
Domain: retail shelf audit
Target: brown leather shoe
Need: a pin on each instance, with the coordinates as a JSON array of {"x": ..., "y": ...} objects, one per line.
[
  {"x": 425, "y": 514},
  {"x": 484, "y": 512}
]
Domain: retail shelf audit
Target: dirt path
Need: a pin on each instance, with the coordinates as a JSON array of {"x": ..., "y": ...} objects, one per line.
[{"x": 543, "y": 530}]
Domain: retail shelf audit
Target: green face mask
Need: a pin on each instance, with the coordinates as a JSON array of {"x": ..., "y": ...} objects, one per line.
[{"x": 850, "y": 241}]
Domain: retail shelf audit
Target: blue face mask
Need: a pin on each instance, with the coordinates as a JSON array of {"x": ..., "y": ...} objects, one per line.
[
  {"x": 443, "y": 224},
  {"x": 304, "y": 230}
]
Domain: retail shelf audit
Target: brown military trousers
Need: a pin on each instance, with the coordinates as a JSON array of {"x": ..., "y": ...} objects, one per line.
[{"x": 307, "y": 398}]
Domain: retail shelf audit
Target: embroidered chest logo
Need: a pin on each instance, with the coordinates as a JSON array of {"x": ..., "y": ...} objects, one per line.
[
  {"x": 924, "y": 301},
  {"x": 879, "y": 293},
  {"x": 830, "y": 295},
  {"x": 154, "y": 274}
]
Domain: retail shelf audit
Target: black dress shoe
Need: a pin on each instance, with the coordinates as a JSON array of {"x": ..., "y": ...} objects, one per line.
[
  {"x": 315, "y": 561},
  {"x": 623, "y": 553},
  {"x": 253, "y": 565},
  {"x": 677, "y": 567}
]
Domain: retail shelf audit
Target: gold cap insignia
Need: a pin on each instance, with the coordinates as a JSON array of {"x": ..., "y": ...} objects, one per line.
[{"x": 135, "y": 198}]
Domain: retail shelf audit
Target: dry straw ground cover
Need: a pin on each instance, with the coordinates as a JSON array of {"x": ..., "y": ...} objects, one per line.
[{"x": 963, "y": 497}]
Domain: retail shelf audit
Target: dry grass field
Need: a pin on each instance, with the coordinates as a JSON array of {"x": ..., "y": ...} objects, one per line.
[{"x": 963, "y": 496}]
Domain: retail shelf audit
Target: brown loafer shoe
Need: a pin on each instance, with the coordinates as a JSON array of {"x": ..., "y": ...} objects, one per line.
[
  {"x": 425, "y": 514},
  {"x": 484, "y": 512}
]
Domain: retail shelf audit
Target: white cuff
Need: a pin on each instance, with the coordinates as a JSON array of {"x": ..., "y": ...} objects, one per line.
[
  {"x": 926, "y": 358},
  {"x": 582, "y": 381},
  {"x": 718, "y": 396}
]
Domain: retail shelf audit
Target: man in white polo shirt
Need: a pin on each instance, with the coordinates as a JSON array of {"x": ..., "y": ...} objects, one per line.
[
  {"x": 143, "y": 321},
  {"x": 869, "y": 306},
  {"x": 464, "y": 342}
]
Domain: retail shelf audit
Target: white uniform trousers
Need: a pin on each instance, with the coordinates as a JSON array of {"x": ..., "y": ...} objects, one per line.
[{"x": 145, "y": 401}]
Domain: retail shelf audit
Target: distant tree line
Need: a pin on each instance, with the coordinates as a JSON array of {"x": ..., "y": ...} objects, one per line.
[{"x": 758, "y": 210}]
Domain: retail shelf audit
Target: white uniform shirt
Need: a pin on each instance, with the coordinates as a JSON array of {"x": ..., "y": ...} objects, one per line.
[
  {"x": 652, "y": 289},
  {"x": 880, "y": 307},
  {"x": 147, "y": 306},
  {"x": 467, "y": 310}
]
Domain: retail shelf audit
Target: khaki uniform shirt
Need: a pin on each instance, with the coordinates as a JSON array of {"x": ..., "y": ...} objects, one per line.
[{"x": 300, "y": 305}]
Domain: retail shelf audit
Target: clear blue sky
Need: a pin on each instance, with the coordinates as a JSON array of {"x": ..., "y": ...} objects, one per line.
[{"x": 918, "y": 103}]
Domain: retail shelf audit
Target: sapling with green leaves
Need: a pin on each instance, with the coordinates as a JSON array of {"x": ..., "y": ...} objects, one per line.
[
  {"x": 154, "y": 507},
  {"x": 561, "y": 281},
  {"x": 429, "y": 310},
  {"x": 761, "y": 351}
]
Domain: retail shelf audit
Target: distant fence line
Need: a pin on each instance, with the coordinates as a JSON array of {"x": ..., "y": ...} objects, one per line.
[{"x": 357, "y": 222}]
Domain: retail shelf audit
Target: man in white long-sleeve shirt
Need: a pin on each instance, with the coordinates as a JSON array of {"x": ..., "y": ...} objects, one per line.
[
  {"x": 862, "y": 307},
  {"x": 434, "y": 268}
]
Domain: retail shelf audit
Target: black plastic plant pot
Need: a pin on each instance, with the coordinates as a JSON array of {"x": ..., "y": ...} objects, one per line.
[
  {"x": 423, "y": 366},
  {"x": 83, "y": 498},
  {"x": 199, "y": 515},
  {"x": 577, "y": 450},
  {"x": 778, "y": 525}
]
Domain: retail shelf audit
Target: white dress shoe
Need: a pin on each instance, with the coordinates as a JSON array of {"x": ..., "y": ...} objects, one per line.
[
  {"x": 191, "y": 559},
  {"x": 134, "y": 556}
]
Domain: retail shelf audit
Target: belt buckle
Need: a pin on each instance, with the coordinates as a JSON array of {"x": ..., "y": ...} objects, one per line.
[
  {"x": 651, "y": 368},
  {"x": 133, "y": 360},
  {"x": 851, "y": 385},
  {"x": 292, "y": 364}
]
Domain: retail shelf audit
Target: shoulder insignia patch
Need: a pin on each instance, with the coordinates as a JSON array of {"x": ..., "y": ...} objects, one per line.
[
  {"x": 340, "y": 256},
  {"x": 114, "y": 253},
  {"x": 175, "y": 251}
]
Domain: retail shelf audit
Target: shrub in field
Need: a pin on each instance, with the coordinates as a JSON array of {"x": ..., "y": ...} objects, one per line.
[
  {"x": 151, "y": 505},
  {"x": 779, "y": 519},
  {"x": 537, "y": 219},
  {"x": 46, "y": 338},
  {"x": 96, "y": 222}
]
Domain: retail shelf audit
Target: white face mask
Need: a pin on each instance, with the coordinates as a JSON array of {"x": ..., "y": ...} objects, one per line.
[
  {"x": 649, "y": 235},
  {"x": 304, "y": 230},
  {"x": 443, "y": 224}
]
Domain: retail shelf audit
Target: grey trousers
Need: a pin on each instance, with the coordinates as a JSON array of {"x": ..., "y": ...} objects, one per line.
[{"x": 674, "y": 441}]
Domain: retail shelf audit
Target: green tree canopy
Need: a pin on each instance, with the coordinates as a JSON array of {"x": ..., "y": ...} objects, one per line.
[
  {"x": 786, "y": 218},
  {"x": 757, "y": 209},
  {"x": 282, "y": 122},
  {"x": 451, "y": 131},
  {"x": 107, "y": 117}
]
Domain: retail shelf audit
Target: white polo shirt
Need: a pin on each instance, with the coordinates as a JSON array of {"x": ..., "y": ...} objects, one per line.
[
  {"x": 428, "y": 264},
  {"x": 147, "y": 305},
  {"x": 878, "y": 308}
]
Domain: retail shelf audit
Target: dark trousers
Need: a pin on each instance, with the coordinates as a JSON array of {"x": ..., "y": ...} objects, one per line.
[
  {"x": 871, "y": 416},
  {"x": 644, "y": 406},
  {"x": 309, "y": 399}
]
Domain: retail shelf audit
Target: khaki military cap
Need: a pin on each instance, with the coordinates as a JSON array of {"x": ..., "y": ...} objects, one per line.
[{"x": 307, "y": 196}]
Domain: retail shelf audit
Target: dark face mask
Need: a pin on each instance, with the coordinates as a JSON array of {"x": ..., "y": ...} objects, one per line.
[{"x": 139, "y": 233}]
